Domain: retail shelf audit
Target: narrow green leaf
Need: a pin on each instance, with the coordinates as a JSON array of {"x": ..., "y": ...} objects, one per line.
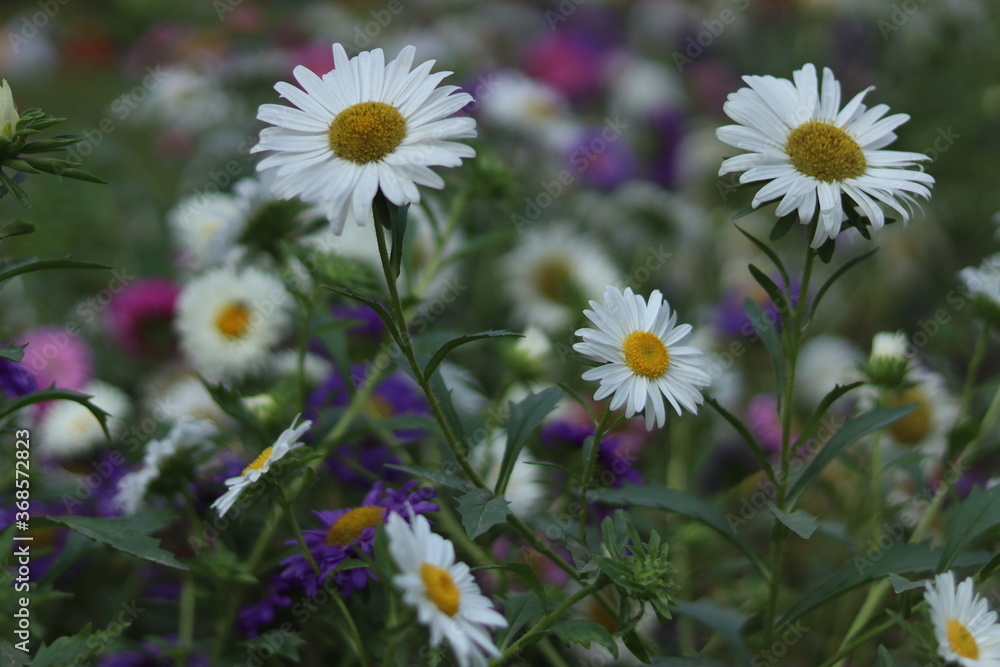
[
  {"x": 989, "y": 568},
  {"x": 884, "y": 659},
  {"x": 399, "y": 220},
  {"x": 814, "y": 419},
  {"x": 20, "y": 165},
  {"x": 773, "y": 291},
  {"x": 436, "y": 476},
  {"x": 374, "y": 304},
  {"x": 743, "y": 213},
  {"x": 443, "y": 351},
  {"x": 766, "y": 249},
  {"x": 800, "y": 522},
  {"x": 769, "y": 337},
  {"x": 18, "y": 227},
  {"x": 30, "y": 265},
  {"x": 81, "y": 175},
  {"x": 828, "y": 283},
  {"x": 634, "y": 643},
  {"x": 782, "y": 226},
  {"x": 519, "y": 609},
  {"x": 526, "y": 572},
  {"x": 443, "y": 394},
  {"x": 53, "y": 144},
  {"x": 979, "y": 512},
  {"x": 825, "y": 251},
  {"x": 725, "y": 621},
  {"x": 850, "y": 432},
  {"x": 685, "y": 503},
  {"x": 481, "y": 510},
  {"x": 119, "y": 534},
  {"x": 13, "y": 352},
  {"x": 14, "y": 189},
  {"x": 525, "y": 416},
  {"x": 58, "y": 395},
  {"x": 748, "y": 438},
  {"x": 583, "y": 633}
]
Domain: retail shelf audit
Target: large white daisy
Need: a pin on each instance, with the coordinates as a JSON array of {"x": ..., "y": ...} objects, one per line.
[
  {"x": 285, "y": 443},
  {"x": 812, "y": 151},
  {"x": 363, "y": 127},
  {"x": 967, "y": 631},
  {"x": 443, "y": 592},
  {"x": 69, "y": 429},
  {"x": 229, "y": 320},
  {"x": 644, "y": 360}
]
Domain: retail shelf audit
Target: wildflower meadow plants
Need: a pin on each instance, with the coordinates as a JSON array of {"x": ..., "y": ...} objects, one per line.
[{"x": 360, "y": 418}]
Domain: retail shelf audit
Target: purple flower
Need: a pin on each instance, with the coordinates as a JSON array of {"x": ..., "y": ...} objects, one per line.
[
  {"x": 667, "y": 126},
  {"x": 369, "y": 324},
  {"x": 150, "y": 654},
  {"x": 731, "y": 319},
  {"x": 764, "y": 422},
  {"x": 15, "y": 380},
  {"x": 256, "y": 616},
  {"x": 604, "y": 160},
  {"x": 140, "y": 317},
  {"x": 350, "y": 533}
]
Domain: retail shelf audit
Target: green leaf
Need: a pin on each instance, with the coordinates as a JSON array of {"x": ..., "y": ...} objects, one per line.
[
  {"x": 583, "y": 633},
  {"x": 438, "y": 477},
  {"x": 28, "y": 265},
  {"x": 398, "y": 228},
  {"x": 526, "y": 572},
  {"x": 13, "y": 352},
  {"x": 698, "y": 661},
  {"x": 75, "y": 650},
  {"x": 782, "y": 226},
  {"x": 725, "y": 621},
  {"x": 773, "y": 291},
  {"x": 481, "y": 510},
  {"x": 773, "y": 256},
  {"x": 12, "y": 657},
  {"x": 825, "y": 251},
  {"x": 525, "y": 416},
  {"x": 743, "y": 213},
  {"x": 884, "y": 659},
  {"x": 901, "y": 584},
  {"x": 850, "y": 432},
  {"x": 282, "y": 643},
  {"x": 634, "y": 643},
  {"x": 813, "y": 422},
  {"x": 14, "y": 189},
  {"x": 748, "y": 438},
  {"x": 53, "y": 144},
  {"x": 769, "y": 336},
  {"x": 374, "y": 304},
  {"x": 828, "y": 283},
  {"x": 800, "y": 522},
  {"x": 18, "y": 227},
  {"x": 443, "y": 394},
  {"x": 81, "y": 175},
  {"x": 59, "y": 395},
  {"x": 519, "y": 609},
  {"x": 443, "y": 351},
  {"x": 685, "y": 503},
  {"x": 119, "y": 534},
  {"x": 989, "y": 568},
  {"x": 230, "y": 401},
  {"x": 979, "y": 512}
]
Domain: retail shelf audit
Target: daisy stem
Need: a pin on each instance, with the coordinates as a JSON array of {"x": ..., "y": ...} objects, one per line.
[
  {"x": 185, "y": 630},
  {"x": 538, "y": 630},
  {"x": 845, "y": 651},
  {"x": 457, "y": 447},
  {"x": 299, "y": 538},
  {"x": 359, "y": 645},
  {"x": 974, "y": 364},
  {"x": 588, "y": 473},
  {"x": 791, "y": 341}
]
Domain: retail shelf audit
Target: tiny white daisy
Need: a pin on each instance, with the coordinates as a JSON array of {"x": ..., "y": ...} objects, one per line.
[
  {"x": 812, "y": 151},
  {"x": 363, "y": 127},
  {"x": 206, "y": 228},
  {"x": 68, "y": 428},
  {"x": 285, "y": 443},
  {"x": 443, "y": 592},
  {"x": 967, "y": 631},
  {"x": 889, "y": 345},
  {"x": 548, "y": 273},
  {"x": 228, "y": 320},
  {"x": 983, "y": 281},
  {"x": 185, "y": 434},
  {"x": 645, "y": 362}
]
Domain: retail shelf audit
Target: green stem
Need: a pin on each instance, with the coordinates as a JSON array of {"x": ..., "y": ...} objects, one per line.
[
  {"x": 538, "y": 630},
  {"x": 845, "y": 651},
  {"x": 588, "y": 473},
  {"x": 298, "y": 537},
  {"x": 359, "y": 645},
  {"x": 185, "y": 630},
  {"x": 974, "y": 364}
]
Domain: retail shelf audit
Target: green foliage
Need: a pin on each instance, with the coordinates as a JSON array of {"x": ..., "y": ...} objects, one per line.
[{"x": 481, "y": 510}]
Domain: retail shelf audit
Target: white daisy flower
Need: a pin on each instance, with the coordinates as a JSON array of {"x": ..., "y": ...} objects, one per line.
[
  {"x": 228, "y": 321},
  {"x": 186, "y": 434},
  {"x": 177, "y": 393},
  {"x": 8, "y": 112},
  {"x": 812, "y": 151},
  {"x": 364, "y": 127},
  {"x": 68, "y": 428},
  {"x": 522, "y": 104},
  {"x": 187, "y": 100},
  {"x": 206, "y": 228},
  {"x": 824, "y": 362},
  {"x": 967, "y": 631},
  {"x": 645, "y": 362},
  {"x": 550, "y": 271},
  {"x": 443, "y": 592},
  {"x": 983, "y": 282},
  {"x": 927, "y": 426},
  {"x": 285, "y": 443}
]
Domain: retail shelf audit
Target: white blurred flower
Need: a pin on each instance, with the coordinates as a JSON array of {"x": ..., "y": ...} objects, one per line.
[{"x": 68, "y": 428}]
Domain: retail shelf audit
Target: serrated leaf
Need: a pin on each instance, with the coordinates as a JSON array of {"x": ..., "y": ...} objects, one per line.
[
  {"x": 29, "y": 265},
  {"x": 850, "y": 432},
  {"x": 12, "y": 657},
  {"x": 526, "y": 572},
  {"x": 979, "y": 512},
  {"x": 279, "y": 642},
  {"x": 119, "y": 534},
  {"x": 583, "y": 633},
  {"x": 436, "y": 476},
  {"x": 525, "y": 416},
  {"x": 800, "y": 522},
  {"x": 519, "y": 609},
  {"x": 481, "y": 510},
  {"x": 687, "y": 504},
  {"x": 727, "y": 622},
  {"x": 769, "y": 337},
  {"x": 13, "y": 352},
  {"x": 17, "y": 227},
  {"x": 443, "y": 351},
  {"x": 74, "y": 650}
]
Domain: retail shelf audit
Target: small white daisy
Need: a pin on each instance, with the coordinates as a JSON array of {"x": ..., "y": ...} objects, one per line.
[
  {"x": 176, "y": 393},
  {"x": 824, "y": 362},
  {"x": 206, "y": 228},
  {"x": 285, "y": 443},
  {"x": 640, "y": 344},
  {"x": 812, "y": 151},
  {"x": 927, "y": 426},
  {"x": 889, "y": 359},
  {"x": 187, "y": 100},
  {"x": 443, "y": 592},
  {"x": 363, "y": 127},
  {"x": 228, "y": 321},
  {"x": 967, "y": 631},
  {"x": 522, "y": 104},
  {"x": 68, "y": 428},
  {"x": 548, "y": 273},
  {"x": 185, "y": 434},
  {"x": 983, "y": 281}
]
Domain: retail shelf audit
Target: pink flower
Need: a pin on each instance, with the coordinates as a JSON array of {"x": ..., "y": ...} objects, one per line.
[
  {"x": 140, "y": 317},
  {"x": 55, "y": 356}
]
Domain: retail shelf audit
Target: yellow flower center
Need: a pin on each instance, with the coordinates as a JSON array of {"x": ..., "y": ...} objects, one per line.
[
  {"x": 348, "y": 527},
  {"x": 914, "y": 427},
  {"x": 259, "y": 462},
  {"x": 441, "y": 588},
  {"x": 552, "y": 278},
  {"x": 233, "y": 321},
  {"x": 961, "y": 640},
  {"x": 824, "y": 151},
  {"x": 646, "y": 354},
  {"x": 366, "y": 132}
]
